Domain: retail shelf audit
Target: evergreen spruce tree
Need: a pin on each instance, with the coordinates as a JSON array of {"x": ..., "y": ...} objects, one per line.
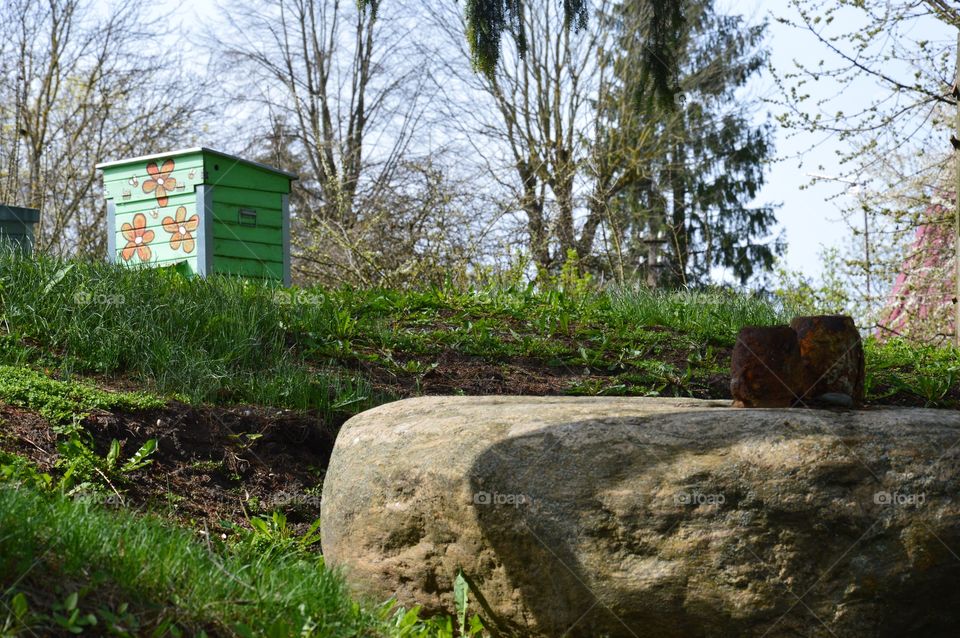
[{"x": 708, "y": 155}]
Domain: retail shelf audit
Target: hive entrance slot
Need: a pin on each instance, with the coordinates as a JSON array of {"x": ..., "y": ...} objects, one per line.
[{"x": 248, "y": 217}]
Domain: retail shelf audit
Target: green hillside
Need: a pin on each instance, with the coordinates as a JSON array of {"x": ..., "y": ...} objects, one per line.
[{"x": 163, "y": 440}]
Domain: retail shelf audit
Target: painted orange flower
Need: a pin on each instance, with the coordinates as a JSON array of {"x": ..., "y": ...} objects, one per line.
[
  {"x": 181, "y": 229},
  {"x": 160, "y": 181},
  {"x": 137, "y": 236}
]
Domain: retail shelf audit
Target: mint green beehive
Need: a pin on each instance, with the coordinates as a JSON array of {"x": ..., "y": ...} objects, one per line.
[{"x": 202, "y": 210}]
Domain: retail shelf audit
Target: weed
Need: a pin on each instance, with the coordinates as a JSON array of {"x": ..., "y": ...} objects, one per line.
[
  {"x": 18, "y": 470},
  {"x": 17, "y": 620},
  {"x": 408, "y": 622},
  {"x": 68, "y": 617},
  {"x": 208, "y": 466}
]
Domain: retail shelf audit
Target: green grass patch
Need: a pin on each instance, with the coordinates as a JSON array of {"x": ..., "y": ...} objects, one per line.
[
  {"x": 217, "y": 339},
  {"x": 230, "y": 341},
  {"x": 61, "y": 402},
  {"x": 142, "y": 577},
  {"x": 69, "y": 566},
  {"x": 900, "y": 371},
  {"x": 226, "y": 340},
  {"x": 713, "y": 315}
]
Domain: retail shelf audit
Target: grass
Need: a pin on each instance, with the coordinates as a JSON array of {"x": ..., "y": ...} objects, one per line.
[
  {"x": 225, "y": 340},
  {"x": 713, "y": 316},
  {"x": 68, "y": 566},
  {"x": 898, "y": 369},
  {"x": 210, "y": 340},
  {"x": 62, "y": 401},
  {"x": 229, "y": 341}
]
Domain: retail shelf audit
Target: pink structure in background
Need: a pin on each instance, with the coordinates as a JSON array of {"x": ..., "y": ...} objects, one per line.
[{"x": 921, "y": 302}]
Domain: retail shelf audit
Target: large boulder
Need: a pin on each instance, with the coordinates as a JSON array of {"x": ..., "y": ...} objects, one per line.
[{"x": 653, "y": 517}]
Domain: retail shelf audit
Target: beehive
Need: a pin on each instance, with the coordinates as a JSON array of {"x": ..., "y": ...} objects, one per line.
[
  {"x": 16, "y": 226},
  {"x": 202, "y": 210}
]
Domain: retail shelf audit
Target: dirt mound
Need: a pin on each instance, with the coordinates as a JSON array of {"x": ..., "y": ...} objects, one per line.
[{"x": 212, "y": 464}]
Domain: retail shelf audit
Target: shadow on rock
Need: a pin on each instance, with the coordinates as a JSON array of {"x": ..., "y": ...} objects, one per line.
[{"x": 669, "y": 525}]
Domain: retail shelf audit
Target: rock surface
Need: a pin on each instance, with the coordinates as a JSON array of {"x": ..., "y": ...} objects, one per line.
[{"x": 653, "y": 517}]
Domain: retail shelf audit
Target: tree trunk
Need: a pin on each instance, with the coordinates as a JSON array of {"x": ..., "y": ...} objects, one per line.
[{"x": 679, "y": 228}]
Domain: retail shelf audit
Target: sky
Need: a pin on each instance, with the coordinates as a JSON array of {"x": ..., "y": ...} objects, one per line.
[{"x": 809, "y": 212}]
